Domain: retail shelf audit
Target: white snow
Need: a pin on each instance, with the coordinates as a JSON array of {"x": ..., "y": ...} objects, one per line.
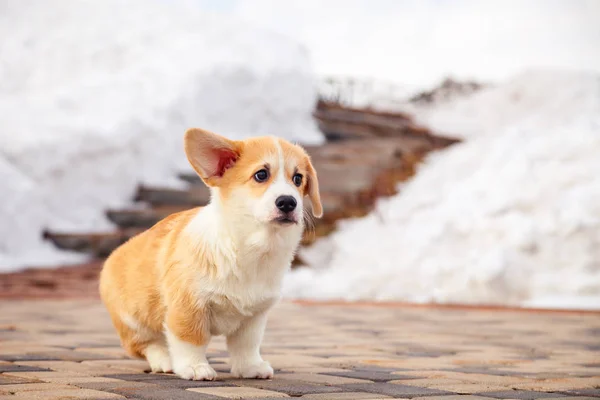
[
  {"x": 510, "y": 216},
  {"x": 421, "y": 42},
  {"x": 95, "y": 97}
]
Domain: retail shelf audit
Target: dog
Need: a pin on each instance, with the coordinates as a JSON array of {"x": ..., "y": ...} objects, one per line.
[{"x": 218, "y": 269}]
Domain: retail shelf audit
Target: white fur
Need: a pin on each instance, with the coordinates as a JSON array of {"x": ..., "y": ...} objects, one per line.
[
  {"x": 251, "y": 255},
  {"x": 280, "y": 186},
  {"x": 189, "y": 361},
  {"x": 158, "y": 357}
]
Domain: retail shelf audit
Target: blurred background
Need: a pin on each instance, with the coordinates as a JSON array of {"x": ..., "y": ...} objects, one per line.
[{"x": 457, "y": 141}]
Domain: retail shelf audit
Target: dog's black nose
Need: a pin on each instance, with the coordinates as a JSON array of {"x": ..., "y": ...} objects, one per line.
[{"x": 286, "y": 203}]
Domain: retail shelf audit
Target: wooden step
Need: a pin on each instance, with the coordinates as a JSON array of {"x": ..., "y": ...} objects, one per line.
[
  {"x": 340, "y": 123},
  {"x": 141, "y": 218},
  {"x": 156, "y": 197},
  {"x": 95, "y": 244}
]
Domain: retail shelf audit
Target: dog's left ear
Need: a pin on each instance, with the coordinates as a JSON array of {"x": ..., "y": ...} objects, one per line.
[
  {"x": 210, "y": 155},
  {"x": 312, "y": 189}
]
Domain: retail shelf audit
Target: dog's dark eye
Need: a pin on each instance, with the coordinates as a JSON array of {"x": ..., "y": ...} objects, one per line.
[
  {"x": 261, "y": 175},
  {"x": 297, "y": 180}
]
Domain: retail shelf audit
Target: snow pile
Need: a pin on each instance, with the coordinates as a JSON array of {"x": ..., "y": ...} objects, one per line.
[
  {"x": 95, "y": 97},
  {"x": 511, "y": 216},
  {"x": 423, "y": 42}
]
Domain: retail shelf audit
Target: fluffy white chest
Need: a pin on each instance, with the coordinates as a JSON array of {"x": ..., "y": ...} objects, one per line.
[
  {"x": 248, "y": 278},
  {"x": 239, "y": 297}
]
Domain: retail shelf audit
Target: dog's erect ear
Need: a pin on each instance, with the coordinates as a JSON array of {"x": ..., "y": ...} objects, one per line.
[
  {"x": 210, "y": 154},
  {"x": 312, "y": 189}
]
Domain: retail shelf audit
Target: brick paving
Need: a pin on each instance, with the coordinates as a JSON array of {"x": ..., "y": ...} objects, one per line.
[{"x": 67, "y": 349}]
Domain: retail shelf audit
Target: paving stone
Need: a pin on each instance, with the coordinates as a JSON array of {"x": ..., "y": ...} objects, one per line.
[
  {"x": 334, "y": 351},
  {"x": 468, "y": 388},
  {"x": 32, "y": 387},
  {"x": 573, "y": 398},
  {"x": 345, "y": 396},
  {"x": 560, "y": 384},
  {"x": 71, "y": 366},
  {"x": 9, "y": 380},
  {"x": 373, "y": 368},
  {"x": 583, "y": 392},
  {"x": 520, "y": 394},
  {"x": 136, "y": 366},
  {"x": 325, "y": 379},
  {"x": 393, "y": 390},
  {"x": 429, "y": 383},
  {"x": 164, "y": 394},
  {"x": 70, "y": 394},
  {"x": 184, "y": 384},
  {"x": 115, "y": 386},
  {"x": 312, "y": 370},
  {"x": 292, "y": 388},
  {"x": 455, "y": 397},
  {"x": 20, "y": 368},
  {"x": 142, "y": 377},
  {"x": 59, "y": 377},
  {"x": 168, "y": 380},
  {"x": 28, "y": 357},
  {"x": 485, "y": 371},
  {"x": 375, "y": 376},
  {"x": 238, "y": 392}
]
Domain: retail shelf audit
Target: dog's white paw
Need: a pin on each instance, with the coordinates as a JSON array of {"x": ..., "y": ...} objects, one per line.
[
  {"x": 198, "y": 372},
  {"x": 159, "y": 359},
  {"x": 163, "y": 365},
  {"x": 261, "y": 370}
]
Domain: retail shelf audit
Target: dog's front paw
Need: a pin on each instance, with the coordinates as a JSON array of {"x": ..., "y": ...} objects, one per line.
[
  {"x": 197, "y": 372},
  {"x": 261, "y": 370}
]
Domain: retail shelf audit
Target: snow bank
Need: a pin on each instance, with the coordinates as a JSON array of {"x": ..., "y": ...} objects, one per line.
[
  {"x": 423, "y": 42},
  {"x": 511, "y": 216},
  {"x": 95, "y": 97}
]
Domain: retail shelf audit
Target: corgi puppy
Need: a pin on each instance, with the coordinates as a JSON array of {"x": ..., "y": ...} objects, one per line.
[{"x": 214, "y": 270}]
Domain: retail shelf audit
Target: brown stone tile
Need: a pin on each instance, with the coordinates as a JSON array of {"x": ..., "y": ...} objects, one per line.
[
  {"x": 71, "y": 394},
  {"x": 10, "y": 367},
  {"x": 167, "y": 380},
  {"x": 60, "y": 377},
  {"x": 238, "y": 392},
  {"x": 9, "y": 380},
  {"x": 71, "y": 366},
  {"x": 319, "y": 378},
  {"x": 520, "y": 394},
  {"x": 151, "y": 393},
  {"x": 475, "y": 350},
  {"x": 138, "y": 366},
  {"x": 561, "y": 384},
  {"x": 292, "y": 388},
  {"x": 455, "y": 397},
  {"x": 583, "y": 392},
  {"x": 312, "y": 370},
  {"x": 375, "y": 376},
  {"x": 572, "y": 398},
  {"x": 115, "y": 386},
  {"x": 394, "y": 390},
  {"x": 468, "y": 388},
  {"x": 426, "y": 383},
  {"x": 27, "y": 357},
  {"x": 345, "y": 396},
  {"x": 32, "y": 387}
]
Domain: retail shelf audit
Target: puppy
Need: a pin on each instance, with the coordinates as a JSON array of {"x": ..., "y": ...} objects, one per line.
[{"x": 214, "y": 270}]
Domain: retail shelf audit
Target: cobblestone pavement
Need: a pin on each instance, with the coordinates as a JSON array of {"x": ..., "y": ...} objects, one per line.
[{"x": 68, "y": 350}]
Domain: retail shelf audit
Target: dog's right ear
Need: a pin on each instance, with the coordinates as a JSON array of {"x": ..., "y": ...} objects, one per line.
[{"x": 210, "y": 155}]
